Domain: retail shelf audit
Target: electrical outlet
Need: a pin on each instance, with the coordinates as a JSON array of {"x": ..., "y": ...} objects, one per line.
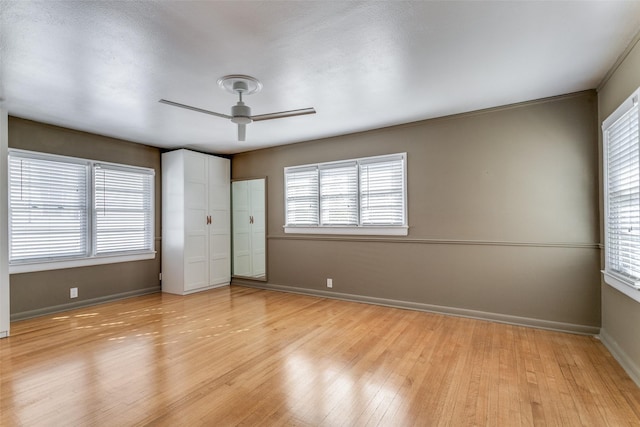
[
  {"x": 329, "y": 283},
  {"x": 73, "y": 293}
]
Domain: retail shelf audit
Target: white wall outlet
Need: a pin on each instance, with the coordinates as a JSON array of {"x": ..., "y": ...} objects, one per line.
[
  {"x": 73, "y": 293},
  {"x": 329, "y": 283}
]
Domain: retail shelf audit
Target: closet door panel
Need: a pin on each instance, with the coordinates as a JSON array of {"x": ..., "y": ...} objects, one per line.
[
  {"x": 195, "y": 232},
  {"x": 220, "y": 269},
  {"x": 219, "y": 200}
]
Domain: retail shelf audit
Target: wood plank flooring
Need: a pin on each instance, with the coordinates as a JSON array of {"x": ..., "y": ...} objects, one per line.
[{"x": 242, "y": 356}]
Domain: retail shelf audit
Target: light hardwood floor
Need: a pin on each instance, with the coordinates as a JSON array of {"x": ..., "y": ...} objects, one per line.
[{"x": 252, "y": 357}]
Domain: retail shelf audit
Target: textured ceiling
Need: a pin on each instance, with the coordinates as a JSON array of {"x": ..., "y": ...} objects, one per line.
[{"x": 102, "y": 66}]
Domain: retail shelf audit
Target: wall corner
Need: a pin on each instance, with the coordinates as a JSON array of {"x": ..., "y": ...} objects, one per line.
[{"x": 4, "y": 224}]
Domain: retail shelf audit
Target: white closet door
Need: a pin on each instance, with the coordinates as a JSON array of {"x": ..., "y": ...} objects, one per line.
[
  {"x": 219, "y": 230},
  {"x": 196, "y": 274},
  {"x": 258, "y": 252}
]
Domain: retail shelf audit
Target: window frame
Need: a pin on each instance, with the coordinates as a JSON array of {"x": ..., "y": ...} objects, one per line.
[
  {"x": 90, "y": 256},
  {"x": 615, "y": 279},
  {"x": 359, "y": 228}
]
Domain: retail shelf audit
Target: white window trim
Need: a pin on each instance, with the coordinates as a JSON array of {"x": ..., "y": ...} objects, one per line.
[
  {"x": 90, "y": 259},
  {"x": 80, "y": 262},
  {"x": 396, "y": 230},
  {"x": 362, "y": 230},
  {"x": 622, "y": 284}
]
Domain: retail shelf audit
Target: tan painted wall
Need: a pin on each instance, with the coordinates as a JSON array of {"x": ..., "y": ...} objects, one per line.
[
  {"x": 36, "y": 293},
  {"x": 526, "y": 175},
  {"x": 621, "y": 314}
]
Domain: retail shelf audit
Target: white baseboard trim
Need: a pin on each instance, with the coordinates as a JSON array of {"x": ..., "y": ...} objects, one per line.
[
  {"x": 628, "y": 364},
  {"x": 454, "y": 311},
  {"x": 4, "y": 334},
  {"x": 194, "y": 291},
  {"x": 84, "y": 303}
]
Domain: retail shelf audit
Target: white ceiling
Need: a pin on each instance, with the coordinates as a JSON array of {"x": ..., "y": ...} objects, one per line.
[{"x": 101, "y": 66}]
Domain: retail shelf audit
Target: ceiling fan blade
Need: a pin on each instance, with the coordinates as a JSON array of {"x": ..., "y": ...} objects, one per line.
[
  {"x": 242, "y": 132},
  {"x": 196, "y": 109},
  {"x": 283, "y": 114}
]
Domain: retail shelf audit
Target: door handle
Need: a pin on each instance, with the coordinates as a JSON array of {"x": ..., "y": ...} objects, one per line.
[
  {"x": 208, "y": 219},
  {"x": 251, "y": 219}
]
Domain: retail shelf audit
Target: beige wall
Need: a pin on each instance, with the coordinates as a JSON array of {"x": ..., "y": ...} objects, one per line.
[
  {"x": 621, "y": 314},
  {"x": 503, "y": 216},
  {"x": 45, "y": 291}
]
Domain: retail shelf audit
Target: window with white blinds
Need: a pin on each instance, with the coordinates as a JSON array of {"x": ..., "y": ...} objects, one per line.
[
  {"x": 48, "y": 209},
  {"x": 382, "y": 191},
  {"x": 123, "y": 214},
  {"x": 64, "y": 209},
  {"x": 302, "y": 196},
  {"x": 357, "y": 196},
  {"x": 339, "y": 194},
  {"x": 622, "y": 195}
]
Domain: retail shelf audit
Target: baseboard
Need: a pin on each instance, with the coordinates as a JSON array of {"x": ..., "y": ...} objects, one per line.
[
  {"x": 195, "y": 291},
  {"x": 453, "y": 311},
  {"x": 80, "y": 304},
  {"x": 627, "y": 363}
]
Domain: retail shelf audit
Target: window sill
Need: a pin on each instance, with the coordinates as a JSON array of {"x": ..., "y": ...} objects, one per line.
[
  {"x": 621, "y": 285},
  {"x": 82, "y": 262},
  {"x": 360, "y": 231}
]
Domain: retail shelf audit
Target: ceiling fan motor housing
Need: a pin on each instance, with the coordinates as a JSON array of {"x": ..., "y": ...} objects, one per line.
[{"x": 241, "y": 114}]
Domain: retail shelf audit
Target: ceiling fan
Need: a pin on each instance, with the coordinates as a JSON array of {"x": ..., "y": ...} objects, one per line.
[{"x": 241, "y": 113}]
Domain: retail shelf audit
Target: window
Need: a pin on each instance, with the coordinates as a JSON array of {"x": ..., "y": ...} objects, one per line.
[
  {"x": 123, "y": 209},
  {"x": 66, "y": 212},
  {"x": 359, "y": 196},
  {"x": 621, "y": 167},
  {"x": 339, "y": 194},
  {"x": 302, "y": 196},
  {"x": 48, "y": 209}
]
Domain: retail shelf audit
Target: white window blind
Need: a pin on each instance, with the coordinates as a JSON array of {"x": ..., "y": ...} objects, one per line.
[
  {"x": 622, "y": 156},
  {"x": 301, "y": 189},
  {"x": 123, "y": 214},
  {"x": 382, "y": 191},
  {"x": 339, "y": 194},
  {"x": 48, "y": 209},
  {"x": 68, "y": 212},
  {"x": 356, "y": 196}
]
